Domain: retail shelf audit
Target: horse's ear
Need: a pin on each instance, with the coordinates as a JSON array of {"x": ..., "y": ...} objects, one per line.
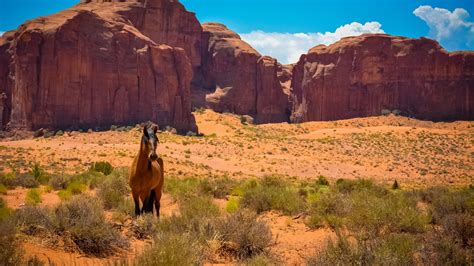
[{"x": 145, "y": 131}]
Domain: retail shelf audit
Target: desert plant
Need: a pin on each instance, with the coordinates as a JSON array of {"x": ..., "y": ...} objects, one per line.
[
  {"x": 218, "y": 187},
  {"x": 114, "y": 188},
  {"x": 322, "y": 181},
  {"x": 10, "y": 251},
  {"x": 171, "y": 249},
  {"x": 4, "y": 210},
  {"x": 103, "y": 167},
  {"x": 33, "y": 197},
  {"x": 271, "y": 193},
  {"x": 244, "y": 234},
  {"x": 39, "y": 174},
  {"x": 83, "y": 217}
]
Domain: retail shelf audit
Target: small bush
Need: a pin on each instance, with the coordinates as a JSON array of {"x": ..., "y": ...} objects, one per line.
[
  {"x": 103, "y": 167},
  {"x": 218, "y": 187},
  {"x": 145, "y": 226},
  {"x": 59, "y": 182},
  {"x": 33, "y": 219},
  {"x": 322, "y": 181},
  {"x": 10, "y": 250},
  {"x": 273, "y": 194},
  {"x": 113, "y": 189},
  {"x": 244, "y": 234},
  {"x": 181, "y": 188},
  {"x": 232, "y": 204},
  {"x": 39, "y": 174},
  {"x": 83, "y": 217},
  {"x": 33, "y": 197},
  {"x": 171, "y": 249},
  {"x": 3, "y": 189},
  {"x": 4, "y": 210}
]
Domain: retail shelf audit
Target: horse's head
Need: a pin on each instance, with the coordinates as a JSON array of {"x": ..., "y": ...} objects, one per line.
[{"x": 150, "y": 140}]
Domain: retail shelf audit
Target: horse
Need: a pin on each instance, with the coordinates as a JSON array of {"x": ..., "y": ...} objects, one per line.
[{"x": 146, "y": 175}]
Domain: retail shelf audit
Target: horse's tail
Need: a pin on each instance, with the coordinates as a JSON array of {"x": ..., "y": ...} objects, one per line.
[{"x": 150, "y": 201}]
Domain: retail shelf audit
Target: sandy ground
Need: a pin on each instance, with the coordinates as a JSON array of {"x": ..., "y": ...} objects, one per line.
[{"x": 415, "y": 153}]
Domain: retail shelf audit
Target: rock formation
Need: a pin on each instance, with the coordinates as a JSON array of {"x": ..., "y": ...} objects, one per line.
[
  {"x": 361, "y": 76},
  {"x": 238, "y": 79},
  {"x": 93, "y": 66}
]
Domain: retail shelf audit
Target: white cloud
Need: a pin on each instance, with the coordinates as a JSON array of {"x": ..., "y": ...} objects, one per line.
[
  {"x": 288, "y": 47},
  {"x": 452, "y": 29},
  {"x": 1, "y": 33}
]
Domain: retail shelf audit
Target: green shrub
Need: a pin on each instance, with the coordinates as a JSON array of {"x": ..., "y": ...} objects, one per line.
[
  {"x": 39, "y": 174},
  {"x": 145, "y": 226},
  {"x": 114, "y": 188},
  {"x": 64, "y": 194},
  {"x": 273, "y": 194},
  {"x": 322, "y": 181},
  {"x": 33, "y": 197},
  {"x": 171, "y": 249},
  {"x": 196, "y": 219},
  {"x": 4, "y": 210},
  {"x": 83, "y": 218},
  {"x": 59, "y": 182},
  {"x": 232, "y": 204},
  {"x": 3, "y": 189},
  {"x": 10, "y": 250},
  {"x": 246, "y": 236},
  {"x": 103, "y": 167},
  {"x": 181, "y": 188},
  {"x": 219, "y": 187}
]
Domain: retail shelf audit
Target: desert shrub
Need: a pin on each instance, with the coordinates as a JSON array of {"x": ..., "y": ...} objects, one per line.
[
  {"x": 272, "y": 193},
  {"x": 218, "y": 187},
  {"x": 113, "y": 189},
  {"x": 103, "y": 167},
  {"x": 346, "y": 186},
  {"x": 197, "y": 219},
  {"x": 440, "y": 249},
  {"x": 83, "y": 218},
  {"x": 33, "y": 219},
  {"x": 59, "y": 181},
  {"x": 391, "y": 250},
  {"x": 39, "y": 174},
  {"x": 4, "y": 210},
  {"x": 10, "y": 250},
  {"x": 33, "y": 197},
  {"x": 171, "y": 249},
  {"x": 244, "y": 234},
  {"x": 261, "y": 259},
  {"x": 390, "y": 213},
  {"x": 145, "y": 226},
  {"x": 232, "y": 204},
  {"x": 322, "y": 181},
  {"x": 3, "y": 189},
  {"x": 181, "y": 188}
]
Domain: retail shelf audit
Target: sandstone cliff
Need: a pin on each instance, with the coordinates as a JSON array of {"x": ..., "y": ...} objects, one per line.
[
  {"x": 239, "y": 79},
  {"x": 361, "y": 76},
  {"x": 91, "y": 66}
]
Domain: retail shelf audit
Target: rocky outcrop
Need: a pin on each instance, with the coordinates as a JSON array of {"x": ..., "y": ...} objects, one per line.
[
  {"x": 92, "y": 66},
  {"x": 361, "y": 76},
  {"x": 238, "y": 79}
]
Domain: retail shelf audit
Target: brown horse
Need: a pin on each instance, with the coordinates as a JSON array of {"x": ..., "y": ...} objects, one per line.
[{"x": 147, "y": 173}]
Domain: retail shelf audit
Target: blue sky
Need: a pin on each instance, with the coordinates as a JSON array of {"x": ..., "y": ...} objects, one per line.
[{"x": 269, "y": 25}]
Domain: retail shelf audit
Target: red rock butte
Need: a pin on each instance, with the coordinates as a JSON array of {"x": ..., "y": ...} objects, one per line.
[{"x": 103, "y": 62}]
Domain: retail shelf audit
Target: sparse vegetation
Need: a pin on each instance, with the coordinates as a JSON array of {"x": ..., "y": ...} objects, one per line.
[
  {"x": 33, "y": 197},
  {"x": 103, "y": 167},
  {"x": 113, "y": 188}
]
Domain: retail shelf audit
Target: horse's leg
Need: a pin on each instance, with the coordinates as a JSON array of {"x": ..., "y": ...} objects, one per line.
[
  {"x": 151, "y": 200},
  {"x": 136, "y": 200},
  {"x": 158, "y": 194},
  {"x": 147, "y": 203}
]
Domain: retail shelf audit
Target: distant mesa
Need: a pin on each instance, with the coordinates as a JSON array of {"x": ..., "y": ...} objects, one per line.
[{"x": 121, "y": 62}]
